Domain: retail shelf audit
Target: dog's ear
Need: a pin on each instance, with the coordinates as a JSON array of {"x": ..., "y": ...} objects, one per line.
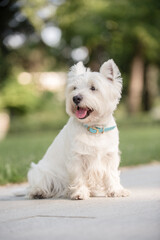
[
  {"x": 76, "y": 70},
  {"x": 111, "y": 72}
]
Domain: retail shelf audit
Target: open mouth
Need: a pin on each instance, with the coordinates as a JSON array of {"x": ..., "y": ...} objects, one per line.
[{"x": 83, "y": 113}]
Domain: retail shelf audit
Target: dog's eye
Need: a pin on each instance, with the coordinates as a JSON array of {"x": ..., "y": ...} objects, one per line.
[
  {"x": 74, "y": 88},
  {"x": 92, "y": 88}
]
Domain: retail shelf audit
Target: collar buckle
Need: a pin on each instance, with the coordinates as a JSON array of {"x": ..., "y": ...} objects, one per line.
[{"x": 93, "y": 130}]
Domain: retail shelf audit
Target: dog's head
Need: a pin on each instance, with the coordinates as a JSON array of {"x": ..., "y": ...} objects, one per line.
[{"x": 91, "y": 97}]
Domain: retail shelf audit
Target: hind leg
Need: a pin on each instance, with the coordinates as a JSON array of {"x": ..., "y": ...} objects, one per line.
[
  {"x": 37, "y": 193},
  {"x": 44, "y": 184}
]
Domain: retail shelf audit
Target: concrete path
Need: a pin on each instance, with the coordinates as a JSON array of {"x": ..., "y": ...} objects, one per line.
[{"x": 136, "y": 217}]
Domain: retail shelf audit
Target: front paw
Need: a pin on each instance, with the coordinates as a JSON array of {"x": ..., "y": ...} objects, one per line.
[
  {"x": 121, "y": 192},
  {"x": 80, "y": 194}
]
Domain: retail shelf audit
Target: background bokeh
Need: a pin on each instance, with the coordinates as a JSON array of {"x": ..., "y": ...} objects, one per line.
[{"x": 41, "y": 39}]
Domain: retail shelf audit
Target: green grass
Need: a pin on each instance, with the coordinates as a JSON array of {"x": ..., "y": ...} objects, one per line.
[
  {"x": 17, "y": 151},
  {"x": 139, "y": 145}
]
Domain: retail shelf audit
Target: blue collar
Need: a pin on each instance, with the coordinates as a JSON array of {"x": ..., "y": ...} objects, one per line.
[{"x": 98, "y": 130}]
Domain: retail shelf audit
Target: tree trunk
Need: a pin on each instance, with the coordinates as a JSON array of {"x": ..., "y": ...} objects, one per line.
[
  {"x": 136, "y": 85},
  {"x": 151, "y": 87}
]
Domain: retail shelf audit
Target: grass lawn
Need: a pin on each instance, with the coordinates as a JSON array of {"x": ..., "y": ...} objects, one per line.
[{"x": 139, "y": 145}]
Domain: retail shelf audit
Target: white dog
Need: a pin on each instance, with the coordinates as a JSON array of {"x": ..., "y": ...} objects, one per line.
[{"x": 83, "y": 159}]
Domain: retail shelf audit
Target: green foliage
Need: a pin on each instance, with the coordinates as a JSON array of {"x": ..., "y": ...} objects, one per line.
[
  {"x": 12, "y": 22},
  {"x": 18, "y": 99},
  {"x": 48, "y": 116},
  {"x": 31, "y": 8},
  {"x": 118, "y": 29}
]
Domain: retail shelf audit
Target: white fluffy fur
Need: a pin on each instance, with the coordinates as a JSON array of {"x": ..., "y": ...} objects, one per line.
[{"x": 80, "y": 164}]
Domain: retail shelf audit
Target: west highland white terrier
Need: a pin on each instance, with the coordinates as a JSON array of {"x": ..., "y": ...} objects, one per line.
[{"x": 83, "y": 159}]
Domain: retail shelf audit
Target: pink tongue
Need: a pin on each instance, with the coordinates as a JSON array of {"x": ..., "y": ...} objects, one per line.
[{"x": 81, "y": 113}]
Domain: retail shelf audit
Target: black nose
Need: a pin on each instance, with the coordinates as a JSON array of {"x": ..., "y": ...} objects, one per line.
[{"x": 77, "y": 99}]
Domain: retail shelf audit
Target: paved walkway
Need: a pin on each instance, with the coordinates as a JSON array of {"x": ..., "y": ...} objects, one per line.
[{"x": 136, "y": 217}]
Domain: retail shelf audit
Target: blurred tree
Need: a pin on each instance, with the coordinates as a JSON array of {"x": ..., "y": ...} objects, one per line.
[
  {"x": 21, "y": 49},
  {"x": 18, "y": 99},
  {"x": 21, "y": 45},
  {"x": 14, "y": 27},
  {"x": 126, "y": 30}
]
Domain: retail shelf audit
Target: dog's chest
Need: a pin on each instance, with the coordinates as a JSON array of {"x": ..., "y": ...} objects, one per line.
[
  {"x": 95, "y": 169},
  {"x": 92, "y": 153},
  {"x": 95, "y": 146}
]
